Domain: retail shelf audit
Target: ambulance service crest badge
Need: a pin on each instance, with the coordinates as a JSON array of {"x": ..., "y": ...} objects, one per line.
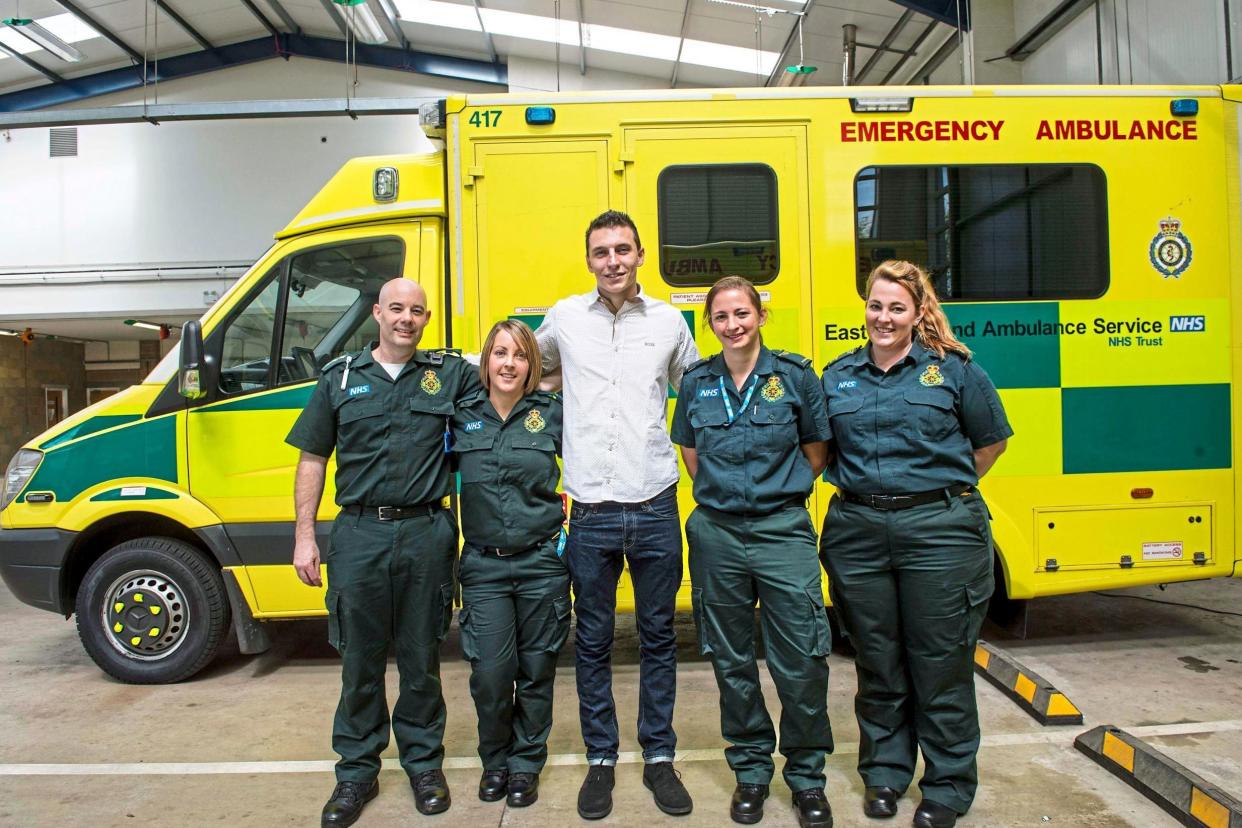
[
  {"x": 430, "y": 383},
  {"x": 535, "y": 422},
  {"x": 1170, "y": 250},
  {"x": 931, "y": 376},
  {"x": 772, "y": 389}
]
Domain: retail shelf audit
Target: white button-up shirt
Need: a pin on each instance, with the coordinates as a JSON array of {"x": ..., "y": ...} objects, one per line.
[{"x": 615, "y": 373}]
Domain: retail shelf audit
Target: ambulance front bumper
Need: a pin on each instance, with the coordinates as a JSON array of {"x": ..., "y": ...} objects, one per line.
[{"x": 32, "y": 562}]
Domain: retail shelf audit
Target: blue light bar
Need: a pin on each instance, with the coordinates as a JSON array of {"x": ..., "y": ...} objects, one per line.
[
  {"x": 540, "y": 115},
  {"x": 1185, "y": 106}
]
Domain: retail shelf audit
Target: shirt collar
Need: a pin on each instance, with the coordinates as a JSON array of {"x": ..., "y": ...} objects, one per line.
[
  {"x": 765, "y": 365},
  {"x": 919, "y": 354},
  {"x": 596, "y": 298}
]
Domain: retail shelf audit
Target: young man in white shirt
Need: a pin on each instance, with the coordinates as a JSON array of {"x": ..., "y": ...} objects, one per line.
[{"x": 617, "y": 351}]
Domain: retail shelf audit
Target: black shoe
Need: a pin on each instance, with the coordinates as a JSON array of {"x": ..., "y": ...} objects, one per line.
[
  {"x": 431, "y": 793},
  {"x": 595, "y": 795},
  {"x": 493, "y": 784},
  {"x": 523, "y": 789},
  {"x": 671, "y": 796},
  {"x": 812, "y": 808},
  {"x": 880, "y": 802},
  {"x": 934, "y": 815},
  {"x": 747, "y": 804},
  {"x": 347, "y": 802}
]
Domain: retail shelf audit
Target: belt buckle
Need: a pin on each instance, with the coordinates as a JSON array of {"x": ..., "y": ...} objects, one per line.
[
  {"x": 386, "y": 512},
  {"x": 506, "y": 553}
]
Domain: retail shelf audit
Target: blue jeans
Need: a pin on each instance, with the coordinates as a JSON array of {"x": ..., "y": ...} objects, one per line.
[{"x": 601, "y": 537}]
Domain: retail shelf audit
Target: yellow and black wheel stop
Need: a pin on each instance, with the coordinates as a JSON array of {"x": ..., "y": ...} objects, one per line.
[
  {"x": 1032, "y": 692},
  {"x": 1188, "y": 797}
]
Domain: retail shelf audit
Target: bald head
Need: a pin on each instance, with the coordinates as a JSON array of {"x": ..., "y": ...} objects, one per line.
[{"x": 402, "y": 314}]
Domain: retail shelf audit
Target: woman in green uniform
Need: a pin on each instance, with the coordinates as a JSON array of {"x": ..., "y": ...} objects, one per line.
[
  {"x": 752, "y": 425},
  {"x": 907, "y": 544},
  {"x": 515, "y": 586}
]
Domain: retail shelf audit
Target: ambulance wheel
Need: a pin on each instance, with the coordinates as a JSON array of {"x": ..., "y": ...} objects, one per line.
[{"x": 152, "y": 611}]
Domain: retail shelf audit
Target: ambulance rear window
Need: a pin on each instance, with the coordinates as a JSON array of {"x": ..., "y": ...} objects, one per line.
[
  {"x": 988, "y": 232},
  {"x": 717, "y": 220}
]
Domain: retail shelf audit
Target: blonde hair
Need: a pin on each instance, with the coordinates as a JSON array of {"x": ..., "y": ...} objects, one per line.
[
  {"x": 933, "y": 329},
  {"x": 730, "y": 283},
  {"x": 524, "y": 338}
]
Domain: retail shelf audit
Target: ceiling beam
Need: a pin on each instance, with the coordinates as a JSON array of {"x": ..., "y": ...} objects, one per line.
[
  {"x": 213, "y": 111},
  {"x": 250, "y": 51},
  {"x": 336, "y": 18},
  {"x": 909, "y": 53},
  {"x": 261, "y": 17},
  {"x": 393, "y": 19},
  {"x": 42, "y": 70},
  {"x": 103, "y": 30},
  {"x": 284, "y": 16},
  {"x": 884, "y": 44},
  {"x": 180, "y": 21},
  {"x": 938, "y": 57}
]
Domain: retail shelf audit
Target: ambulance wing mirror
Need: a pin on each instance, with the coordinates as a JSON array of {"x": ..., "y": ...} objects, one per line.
[{"x": 190, "y": 377}]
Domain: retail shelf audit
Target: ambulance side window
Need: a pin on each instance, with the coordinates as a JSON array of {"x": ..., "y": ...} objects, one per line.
[
  {"x": 245, "y": 362},
  {"x": 718, "y": 220},
  {"x": 988, "y": 232}
]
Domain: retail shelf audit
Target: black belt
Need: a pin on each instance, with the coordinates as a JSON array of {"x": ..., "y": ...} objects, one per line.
[
  {"x": 893, "y": 503},
  {"x": 396, "y": 512},
  {"x": 506, "y": 552}
]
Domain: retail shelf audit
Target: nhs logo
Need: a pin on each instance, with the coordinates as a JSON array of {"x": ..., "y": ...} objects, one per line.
[
  {"x": 1188, "y": 324},
  {"x": 844, "y": 384},
  {"x": 709, "y": 392},
  {"x": 477, "y": 425}
]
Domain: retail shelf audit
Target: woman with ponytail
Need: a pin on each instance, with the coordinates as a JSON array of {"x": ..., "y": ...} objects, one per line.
[{"x": 907, "y": 543}]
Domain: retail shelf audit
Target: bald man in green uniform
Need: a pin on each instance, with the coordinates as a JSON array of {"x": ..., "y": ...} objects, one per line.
[{"x": 393, "y": 545}]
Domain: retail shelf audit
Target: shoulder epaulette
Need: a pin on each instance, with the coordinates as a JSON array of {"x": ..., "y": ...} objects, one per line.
[
  {"x": 335, "y": 362},
  {"x": 697, "y": 364},
  {"x": 843, "y": 355},
  {"x": 796, "y": 359}
]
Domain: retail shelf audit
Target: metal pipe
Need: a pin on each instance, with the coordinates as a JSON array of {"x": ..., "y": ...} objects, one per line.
[
  {"x": 393, "y": 18},
  {"x": 789, "y": 42},
  {"x": 581, "y": 42},
  {"x": 72, "y": 8},
  {"x": 848, "y": 53},
  {"x": 1043, "y": 31},
  {"x": 892, "y": 35}
]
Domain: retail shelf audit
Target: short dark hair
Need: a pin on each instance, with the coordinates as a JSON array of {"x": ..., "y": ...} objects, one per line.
[{"x": 612, "y": 218}]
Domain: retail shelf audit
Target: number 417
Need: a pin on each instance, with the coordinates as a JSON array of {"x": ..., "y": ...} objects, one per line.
[{"x": 485, "y": 118}]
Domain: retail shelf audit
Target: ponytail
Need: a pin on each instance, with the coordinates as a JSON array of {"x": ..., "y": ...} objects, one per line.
[{"x": 933, "y": 330}]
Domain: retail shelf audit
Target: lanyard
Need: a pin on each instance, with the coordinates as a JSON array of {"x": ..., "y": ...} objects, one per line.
[{"x": 724, "y": 394}]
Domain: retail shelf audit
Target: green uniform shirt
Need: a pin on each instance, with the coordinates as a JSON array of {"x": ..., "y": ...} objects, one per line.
[
  {"x": 754, "y": 465},
  {"x": 508, "y": 470},
  {"x": 914, "y": 428},
  {"x": 388, "y": 434}
]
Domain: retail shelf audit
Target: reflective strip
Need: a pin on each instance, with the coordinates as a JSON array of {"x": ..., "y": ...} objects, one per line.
[
  {"x": 1207, "y": 810},
  {"x": 1025, "y": 688},
  {"x": 1118, "y": 751}
]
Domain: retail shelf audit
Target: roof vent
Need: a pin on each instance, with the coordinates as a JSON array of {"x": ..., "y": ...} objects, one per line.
[{"x": 63, "y": 142}]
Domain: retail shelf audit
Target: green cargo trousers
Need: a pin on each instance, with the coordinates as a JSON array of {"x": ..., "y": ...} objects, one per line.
[
  {"x": 911, "y": 588},
  {"x": 389, "y": 582},
  {"x": 514, "y": 620},
  {"x": 736, "y": 560}
]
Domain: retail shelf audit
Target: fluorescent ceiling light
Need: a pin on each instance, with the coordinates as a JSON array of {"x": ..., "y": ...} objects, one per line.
[
  {"x": 40, "y": 36},
  {"x": 361, "y": 20},
  {"x": 138, "y": 323},
  {"x": 66, "y": 27},
  {"x": 595, "y": 36}
]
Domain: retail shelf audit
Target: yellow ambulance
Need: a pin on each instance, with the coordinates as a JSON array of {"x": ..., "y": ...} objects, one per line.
[{"x": 1085, "y": 242}]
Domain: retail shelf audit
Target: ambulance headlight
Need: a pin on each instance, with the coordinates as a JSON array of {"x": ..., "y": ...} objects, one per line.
[{"x": 18, "y": 474}]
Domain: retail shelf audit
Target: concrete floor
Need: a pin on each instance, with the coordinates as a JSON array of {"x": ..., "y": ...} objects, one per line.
[{"x": 247, "y": 741}]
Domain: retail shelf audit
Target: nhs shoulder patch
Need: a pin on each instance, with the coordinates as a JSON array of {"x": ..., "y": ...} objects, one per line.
[
  {"x": 709, "y": 392},
  {"x": 359, "y": 389},
  {"x": 477, "y": 425},
  {"x": 844, "y": 384}
]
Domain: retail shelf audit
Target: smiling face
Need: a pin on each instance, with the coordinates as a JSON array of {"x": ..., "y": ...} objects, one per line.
[
  {"x": 735, "y": 320},
  {"x": 402, "y": 314},
  {"x": 613, "y": 256},
  {"x": 508, "y": 366},
  {"x": 891, "y": 315}
]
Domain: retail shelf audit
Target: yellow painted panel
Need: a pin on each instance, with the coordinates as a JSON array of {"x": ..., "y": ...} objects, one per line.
[
  {"x": 1119, "y": 752},
  {"x": 1152, "y": 536},
  {"x": 1035, "y": 448},
  {"x": 1207, "y": 810},
  {"x": 1059, "y": 705},
  {"x": 1134, "y": 343},
  {"x": 1024, "y": 687},
  {"x": 279, "y": 593}
]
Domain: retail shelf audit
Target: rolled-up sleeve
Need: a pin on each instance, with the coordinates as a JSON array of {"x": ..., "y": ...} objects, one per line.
[
  {"x": 685, "y": 354},
  {"x": 549, "y": 348}
]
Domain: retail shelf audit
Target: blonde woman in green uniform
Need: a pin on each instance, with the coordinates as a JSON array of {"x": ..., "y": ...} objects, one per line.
[
  {"x": 751, "y": 424},
  {"x": 907, "y": 543},
  {"x": 514, "y": 584}
]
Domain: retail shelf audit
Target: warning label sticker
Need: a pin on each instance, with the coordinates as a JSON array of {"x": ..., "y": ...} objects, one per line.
[
  {"x": 1162, "y": 551},
  {"x": 699, "y": 297}
]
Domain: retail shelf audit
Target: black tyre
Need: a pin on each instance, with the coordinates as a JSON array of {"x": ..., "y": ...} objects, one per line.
[{"x": 152, "y": 611}]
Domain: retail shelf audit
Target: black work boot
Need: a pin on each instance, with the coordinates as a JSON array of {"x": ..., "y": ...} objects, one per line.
[
  {"x": 347, "y": 802},
  {"x": 747, "y": 804},
  {"x": 595, "y": 795},
  {"x": 812, "y": 808},
  {"x": 493, "y": 784},
  {"x": 523, "y": 789},
  {"x": 431, "y": 793},
  {"x": 934, "y": 815},
  {"x": 671, "y": 796}
]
